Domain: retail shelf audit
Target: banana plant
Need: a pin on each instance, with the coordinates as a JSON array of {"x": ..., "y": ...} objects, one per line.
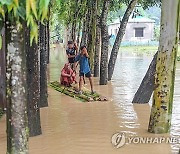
[{"x": 30, "y": 11}]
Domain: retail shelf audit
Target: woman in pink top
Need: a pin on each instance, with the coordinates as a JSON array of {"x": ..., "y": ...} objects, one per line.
[{"x": 67, "y": 75}]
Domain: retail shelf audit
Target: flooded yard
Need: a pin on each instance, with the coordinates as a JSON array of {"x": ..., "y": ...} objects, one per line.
[{"x": 73, "y": 127}]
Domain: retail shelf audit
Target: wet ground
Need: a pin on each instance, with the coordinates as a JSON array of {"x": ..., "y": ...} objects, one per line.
[{"x": 73, "y": 127}]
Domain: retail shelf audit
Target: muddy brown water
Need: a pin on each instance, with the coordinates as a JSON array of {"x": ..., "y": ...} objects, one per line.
[{"x": 73, "y": 127}]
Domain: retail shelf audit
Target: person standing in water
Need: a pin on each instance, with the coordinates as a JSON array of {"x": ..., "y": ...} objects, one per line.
[
  {"x": 71, "y": 52},
  {"x": 82, "y": 58}
]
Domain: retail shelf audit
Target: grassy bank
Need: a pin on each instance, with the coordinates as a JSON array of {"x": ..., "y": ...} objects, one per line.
[
  {"x": 140, "y": 49},
  {"x": 149, "y": 50}
]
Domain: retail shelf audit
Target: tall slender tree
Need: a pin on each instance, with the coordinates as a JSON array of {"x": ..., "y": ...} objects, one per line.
[
  {"x": 119, "y": 38},
  {"x": 33, "y": 85},
  {"x": 48, "y": 37},
  {"x": 3, "y": 70},
  {"x": 84, "y": 31},
  {"x": 92, "y": 31},
  {"x": 104, "y": 43},
  {"x": 17, "y": 123},
  {"x": 43, "y": 65},
  {"x": 146, "y": 88},
  {"x": 97, "y": 48},
  {"x": 161, "y": 111},
  {"x": 17, "y": 15},
  {"x": 79, "y": 33}
]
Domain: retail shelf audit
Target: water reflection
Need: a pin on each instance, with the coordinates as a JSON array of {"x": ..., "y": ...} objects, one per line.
[
  {"x": 89, "y": 127},
  {"x": 175, "y": 128},
  {"x": 128, "y": 75}
]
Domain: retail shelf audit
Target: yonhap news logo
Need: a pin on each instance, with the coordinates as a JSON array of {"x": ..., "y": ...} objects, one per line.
[{"x": 120, "y": 139}]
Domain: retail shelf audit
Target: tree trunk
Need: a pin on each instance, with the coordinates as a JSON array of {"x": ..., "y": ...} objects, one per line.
[
  {"x": 146, "y": 88},
  {"x": 48, "y": 41},
  {"x": 88, "y": 22},
  {"x": 105, "y": 43},
  {"x": 85, "y": 28},
  {"x": 84, "y": 32},
  {"x": 68, "y": 36},
  {"x": 79, "y": 33},
  {"x": 48, "y": 49},
  {"x": 119, "y": 38},
  {"x": 161, "y": 112},
  {"x": 3, "y": 72},
  {"x": 33, "y": 86},
  {"x": 17, "y": 121},
  {"x": 43, "y": 66},
  {"x": 75, "y": 19},
  {"x": 92, "y": 32},
  {"x": 73, "y": 35},
  {"x": 97, "y": 49}
]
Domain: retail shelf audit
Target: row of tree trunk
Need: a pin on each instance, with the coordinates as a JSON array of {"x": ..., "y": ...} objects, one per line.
[
  {"x": 161, "y": 73},
  {"x": 23, "y": 74},
  {"x": 95, "y": 36}
]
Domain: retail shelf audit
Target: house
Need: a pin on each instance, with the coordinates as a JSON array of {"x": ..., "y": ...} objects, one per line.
[{"x": 138, "y": 29}]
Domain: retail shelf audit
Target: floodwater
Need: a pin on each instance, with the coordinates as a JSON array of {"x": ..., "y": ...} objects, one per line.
[{"x": 73, "y": 127}]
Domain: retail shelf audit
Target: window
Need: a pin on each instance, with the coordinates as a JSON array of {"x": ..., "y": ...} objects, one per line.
[{"x": 139, "y": 32}]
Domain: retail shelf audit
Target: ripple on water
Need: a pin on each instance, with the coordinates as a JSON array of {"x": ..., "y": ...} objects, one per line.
[
  {"x": 127, "y": 78},
  {"x": 88, "y": 128}
]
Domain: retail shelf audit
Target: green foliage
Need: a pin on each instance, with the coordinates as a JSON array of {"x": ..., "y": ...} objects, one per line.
[
  {"x": 57, "y": 29},
  {"x": 178, "y": 58},
  {"x": 66, "y": 14},
  {"x": 28, "y": 10},
  {"x": 69, "y": 10},
  {"x": 74, "y": 11},
  {"x": 43, "y": 9},
  {"x": 157, "y": 32},
  {"x": 149, "y": 3},
  {"x": 151, "y": 12},
  {"x": 115, "y": 5},
  {"x": 116, "y": 13}
]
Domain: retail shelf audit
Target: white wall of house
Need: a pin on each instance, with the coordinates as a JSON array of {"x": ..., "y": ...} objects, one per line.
[{"x": 141, "y": 29}]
